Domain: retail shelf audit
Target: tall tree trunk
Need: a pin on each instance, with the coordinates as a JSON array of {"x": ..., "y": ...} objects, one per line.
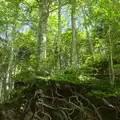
[
  {"x": 43, "y": 17},
  {"x": 9, "y": 82},
  {"x": 11, "y": 63},
  {"x": 111, "y": 69},
  {"x": 3, "y": 69},
  {"x": 59, "y": 36},
  {"x": 74, "y": 50},
  {"x": 10, "y": 68}
]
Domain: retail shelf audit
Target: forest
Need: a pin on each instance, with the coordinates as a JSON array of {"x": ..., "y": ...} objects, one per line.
[{"x": 60, "y": 60}]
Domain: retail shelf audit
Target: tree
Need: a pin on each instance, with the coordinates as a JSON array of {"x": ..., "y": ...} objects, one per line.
[
  {"x": 52, "y": 35},
  {"x": 111, "y": 69},
  {"x": 73, "y": 20},
  {"x": 43, "y": 17}
]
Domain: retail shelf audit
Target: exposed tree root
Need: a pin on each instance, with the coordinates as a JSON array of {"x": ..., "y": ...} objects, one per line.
[
  {"x": 57, "y": 105},
  {"x": 60, "y": 103}
]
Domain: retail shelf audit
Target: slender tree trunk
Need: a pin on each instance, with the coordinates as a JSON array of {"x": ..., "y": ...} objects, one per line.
[
  {"x": 111, "y": 69},
  {"x": 74, "y": 50},
  {"x": 43, "y": 17},
  {"x": 9, "y": 82},
  {"x": 3, "y": 68},
  {"x": 11, "y": 64},
  {"x": 59, "y": 37},
  {"x": 7, "y": 71},
  {"x": 10, "y": 68}
]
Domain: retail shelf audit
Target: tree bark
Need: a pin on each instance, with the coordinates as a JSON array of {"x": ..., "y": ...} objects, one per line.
[
  {"x": 9, "y": 82},
  {"x": 43, "y": 17},
  {"x": 73, "y": 20},
  {"x": 59, "y": 36},
  {"x": 111, "y": 69}
]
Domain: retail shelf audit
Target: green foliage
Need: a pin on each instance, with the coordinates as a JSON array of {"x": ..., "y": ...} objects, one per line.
[
  {"x": 76, "y": 76},
  {"x": 19, "y": 30}
]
